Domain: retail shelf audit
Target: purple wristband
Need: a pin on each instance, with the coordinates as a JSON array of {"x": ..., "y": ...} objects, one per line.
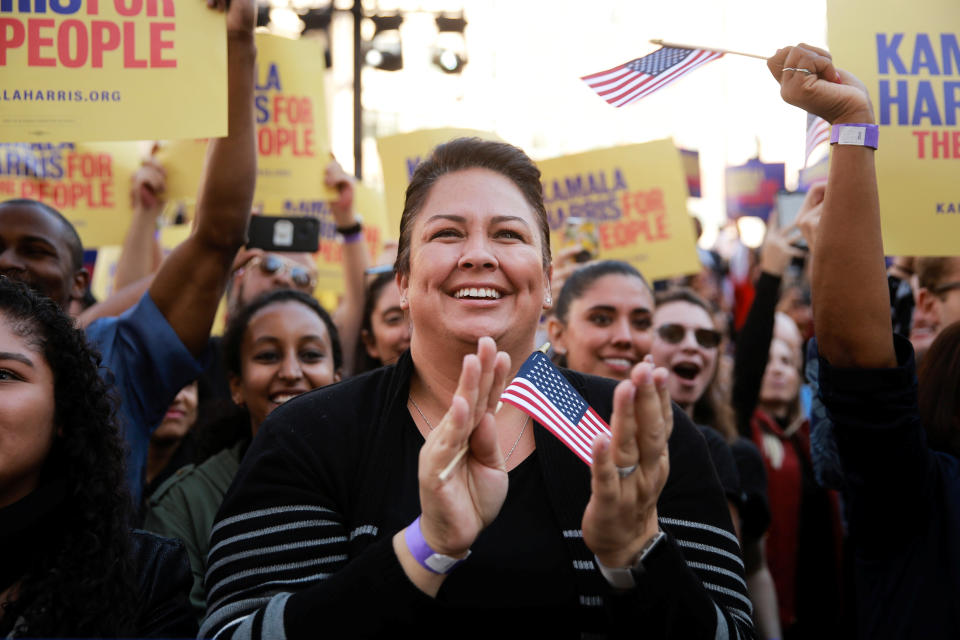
[
  {"x": 862, "y": 135},
  {"x": 353, "y": 237},
  {"x": 425, "y": 556}
]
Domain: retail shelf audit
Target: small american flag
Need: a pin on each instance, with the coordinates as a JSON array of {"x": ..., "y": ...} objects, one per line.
[
  {"x": 542, "y": 392},
  {"x": 818, "y": 132},
  {"x": 638, "y": 78}
]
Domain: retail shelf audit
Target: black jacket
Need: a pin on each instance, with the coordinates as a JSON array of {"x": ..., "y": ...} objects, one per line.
[{"x": 164, "y": 581}]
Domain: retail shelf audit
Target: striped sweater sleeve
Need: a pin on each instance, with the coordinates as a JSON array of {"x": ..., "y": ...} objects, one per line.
[
  {"x": 694, "y": 587},
  {"x": 693, "y": 511},
  {"x": 278, "y": 559}
]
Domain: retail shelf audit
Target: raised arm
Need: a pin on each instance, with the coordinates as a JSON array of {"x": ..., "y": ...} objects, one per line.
[
  {"x": 753, "y": 342},
  {"x": 348, "y": 316},
  {"x": 139, "y": 256},
  {"x": 850, "y": 298},
  {"x": 188, "y": 287}
]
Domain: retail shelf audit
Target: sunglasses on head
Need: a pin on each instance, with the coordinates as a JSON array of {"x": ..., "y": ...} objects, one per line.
[
  {"x": 272, "y": 265},
  {"x": 675, "y": 333}
]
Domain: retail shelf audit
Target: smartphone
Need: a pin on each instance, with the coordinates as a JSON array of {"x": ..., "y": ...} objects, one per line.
[
  {"x": 280, "y": 233},
  {"x": 583, "y": 232},
  {"x": 788, "y": 206}
]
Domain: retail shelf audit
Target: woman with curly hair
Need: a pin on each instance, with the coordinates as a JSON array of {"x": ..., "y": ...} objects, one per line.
[{"x": 69, "y": 564}]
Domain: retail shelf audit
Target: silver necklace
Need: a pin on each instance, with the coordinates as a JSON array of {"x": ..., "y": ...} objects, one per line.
[{"x": 509, "y": 453}]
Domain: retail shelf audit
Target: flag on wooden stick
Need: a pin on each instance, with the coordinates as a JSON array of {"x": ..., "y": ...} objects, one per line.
[{"x": 638, "y": 78}]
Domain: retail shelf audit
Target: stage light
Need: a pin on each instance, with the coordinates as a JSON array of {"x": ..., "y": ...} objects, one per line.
[
  {"x": 286, "y": 20},
  {"x": 316, "y": 22},
  {"x": 263, "y": 15},
  {"x": 384, "y": 51},
  {"x": 752, "y": 231},
  {"x": 449, "y": 50}
]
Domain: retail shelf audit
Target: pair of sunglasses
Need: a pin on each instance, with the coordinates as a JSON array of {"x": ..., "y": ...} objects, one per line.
[
  {"x": 675, "y": 333},
  {"x": 272, "y": 265}
]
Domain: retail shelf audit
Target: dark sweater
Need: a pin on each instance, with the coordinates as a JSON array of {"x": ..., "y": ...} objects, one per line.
[
  {"x": 303, "y": 539},
  {"x": 903, "y": 502}
]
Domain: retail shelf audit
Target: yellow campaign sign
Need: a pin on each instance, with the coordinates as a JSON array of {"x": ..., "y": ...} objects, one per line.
[
  {"x": 182, "y": 160},
  {"x": 105, "y": 272},
  {"x": 372, "y": 208},
  {"x": 172, "y": 235},
  {"x": 292, "y": 145},
  {"x": 908, "y": 56},
  {"x": 290, "y": 110},
  {"x": 88, "y": 183},
  {"x": 399, "y": 156},
  {"x": 635, "y": 196},
  {"x": 111, "y": 70}
]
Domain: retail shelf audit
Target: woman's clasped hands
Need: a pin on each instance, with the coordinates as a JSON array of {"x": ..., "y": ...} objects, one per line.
[
  {"x": 456, "y": 508},
  {"x": 630, "y": 469}
]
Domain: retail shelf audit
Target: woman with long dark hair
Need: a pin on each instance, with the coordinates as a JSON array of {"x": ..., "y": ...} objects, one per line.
[{"x": 69, "y": 565}]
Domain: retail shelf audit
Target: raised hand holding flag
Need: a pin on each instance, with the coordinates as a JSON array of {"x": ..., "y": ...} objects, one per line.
[{"x": 630, "y": 81}]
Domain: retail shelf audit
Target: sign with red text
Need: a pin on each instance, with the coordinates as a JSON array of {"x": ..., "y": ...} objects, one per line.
[
  {"x": 908, "y": 56},
  {"x": 290, "y": 110},
  {"x": 292, "y": 145},
  {"x": 399, "y": 157},
  {"x": 88, "y": 183},
  {"x": 111, "y": 70},
  {"x": 637, "y": 197}
]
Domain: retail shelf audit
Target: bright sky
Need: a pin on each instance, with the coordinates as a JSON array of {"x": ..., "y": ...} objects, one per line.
[{"x": 526, "y": 58}]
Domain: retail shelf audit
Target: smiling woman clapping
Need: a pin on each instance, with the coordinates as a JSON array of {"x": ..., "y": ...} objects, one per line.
[{"x": 339, "y": 520}]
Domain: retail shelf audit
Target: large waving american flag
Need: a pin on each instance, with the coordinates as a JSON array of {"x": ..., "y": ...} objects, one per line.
[
  {"x": 541, "y": 391},
  {"x": 639, "y": 78}
]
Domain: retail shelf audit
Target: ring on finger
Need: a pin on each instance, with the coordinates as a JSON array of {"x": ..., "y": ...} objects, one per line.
[
  {"x": 801, "y": 69},
  {"x": 626, "y": 471}
]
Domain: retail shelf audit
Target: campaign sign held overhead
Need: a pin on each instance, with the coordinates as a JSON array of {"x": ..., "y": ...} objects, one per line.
[{"x": 85, "y": 70}]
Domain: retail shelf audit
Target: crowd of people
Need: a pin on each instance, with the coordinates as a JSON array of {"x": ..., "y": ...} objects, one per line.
[{"x": 775, "y": 468}]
